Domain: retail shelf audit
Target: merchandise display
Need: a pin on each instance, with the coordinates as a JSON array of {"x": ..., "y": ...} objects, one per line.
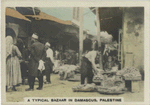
[{"x": 130, "y": 73}]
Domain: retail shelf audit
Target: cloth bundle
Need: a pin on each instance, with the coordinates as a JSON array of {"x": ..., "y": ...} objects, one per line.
[
  {"x": 65, "y": 74},
  {"x": 66, "y": 67},
  {"x": 84, "y": 88},
  {"x": 106, "y": 38},
  {"x": 67, "y": 71},
  {"x": 41, "y": 66}
]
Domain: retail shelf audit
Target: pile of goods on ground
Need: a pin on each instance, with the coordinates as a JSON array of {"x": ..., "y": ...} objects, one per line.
[
  {"x": 98, "y": 78},
  {"x": 130, "y": 73},
  {"x": 84, "y": 88},
  {"x": 67, "y": 71},
  {"x": 111, "y": 84},
  {"x": 57, "y": 64},
  {"x": 110, "y": 90}
]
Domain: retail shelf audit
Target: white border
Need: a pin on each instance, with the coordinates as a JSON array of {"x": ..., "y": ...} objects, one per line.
[{"x": 144, "y": 4}]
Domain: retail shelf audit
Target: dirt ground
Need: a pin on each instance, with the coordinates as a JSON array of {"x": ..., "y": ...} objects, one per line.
[{"x": 59, "y": 88}]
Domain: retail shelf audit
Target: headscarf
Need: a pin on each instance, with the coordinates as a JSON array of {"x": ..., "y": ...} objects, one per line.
[{"x": 9, "y": 43}]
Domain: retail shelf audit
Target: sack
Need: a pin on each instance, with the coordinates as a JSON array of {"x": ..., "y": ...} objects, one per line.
[
  {"x": 84, "y": 88},
  {"x": 105, "y": 38}
]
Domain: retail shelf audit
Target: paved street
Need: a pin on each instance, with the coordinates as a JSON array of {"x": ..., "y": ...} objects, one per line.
[{"x": 59, "y": 88}]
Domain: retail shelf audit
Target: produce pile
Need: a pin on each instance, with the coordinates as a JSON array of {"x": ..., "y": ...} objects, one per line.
[
  {"x": 130, "y": 73},
  {"x": 108, "y": 81},
  {"x": 84, "y": 88},
  {"x": 110, "y": 90},
  {"x": 111, "y": 84},
  {"x": 57, "y": 64},
  {"x": 98, "y": 78},
  {"x": 67, "y": 71}
]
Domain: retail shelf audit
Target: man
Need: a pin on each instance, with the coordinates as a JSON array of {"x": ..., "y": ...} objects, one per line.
[
  {"x": 37, "y": 52},
  {"x": 24, "y": 64},
  {"x": 49, "y": 62}
]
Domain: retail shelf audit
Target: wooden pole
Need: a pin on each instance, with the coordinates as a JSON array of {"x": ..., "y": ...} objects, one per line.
[
  {"x": 98, "y": 38},
  {"x": 80, "y": 34},
  {"x": 122, "y": 42},
  {"x": 33, "y": 10}
]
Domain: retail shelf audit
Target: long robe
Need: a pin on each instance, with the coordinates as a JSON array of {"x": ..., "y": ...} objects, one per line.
[
  {"x": 37, "y": 53},
  {"x": 13, "y": 72}
]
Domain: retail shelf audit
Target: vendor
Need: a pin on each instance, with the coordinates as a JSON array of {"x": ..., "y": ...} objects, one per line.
[
  {"x": 88, "y": 66},
  {"x": 49, "y": 63}
]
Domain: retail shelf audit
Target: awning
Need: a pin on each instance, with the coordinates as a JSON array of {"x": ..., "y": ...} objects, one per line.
[
  {"x": 53, "y": 32},
  {"x": 44, "y": 16},
  {"x": 15, "y": 14},
  {"x": 28, "y": 10}
]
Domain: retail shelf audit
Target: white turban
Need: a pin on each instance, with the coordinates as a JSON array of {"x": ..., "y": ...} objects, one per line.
[
  {"x": 47, "y": 44},
  {"x": 34, "y": 36}
]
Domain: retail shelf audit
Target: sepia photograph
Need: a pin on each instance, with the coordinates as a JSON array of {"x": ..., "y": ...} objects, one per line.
[{"x": 74, "y": 54}]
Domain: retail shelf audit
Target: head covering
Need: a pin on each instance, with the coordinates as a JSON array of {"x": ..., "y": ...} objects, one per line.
[
  {"x": 35, "y": 36},
  {"x": 47, "y": 44},
  {"x": 9, "y": 43}
]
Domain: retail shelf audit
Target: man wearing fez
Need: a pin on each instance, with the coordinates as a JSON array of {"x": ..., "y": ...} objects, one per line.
[
  {"x": 49, "y": 62},
  {"x": 37, "y": 52}
]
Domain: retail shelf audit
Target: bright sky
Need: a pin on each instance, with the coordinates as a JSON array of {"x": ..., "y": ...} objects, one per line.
[{"x": 64, "y": 13}]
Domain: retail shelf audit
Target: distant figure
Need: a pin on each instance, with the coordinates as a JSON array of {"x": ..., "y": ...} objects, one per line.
[
  {"x": 56, "y": 54},
  {"x": 49, "y": 62},
  {"x": 37, "y": 51},
  {"x": 13, "y": 72},
  {"x": 109, "y": 64}
]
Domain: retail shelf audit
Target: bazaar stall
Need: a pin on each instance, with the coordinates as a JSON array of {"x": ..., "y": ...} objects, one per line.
[
  {"x": 19, "y": 23},
  {"x": 112, "y": 79}
]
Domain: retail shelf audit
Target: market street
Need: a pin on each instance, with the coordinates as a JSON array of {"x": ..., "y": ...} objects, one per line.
[{"x": 62, "y": 88}]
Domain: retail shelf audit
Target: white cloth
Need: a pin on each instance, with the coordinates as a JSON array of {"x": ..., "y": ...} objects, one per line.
[
  {"x": 41, "y": 66},
  {"x": 47, "y": 44},
  {"x": 35, "y": 36},
  {"x": 49, "y": 54},
  {"x": 91, "y": 55}
]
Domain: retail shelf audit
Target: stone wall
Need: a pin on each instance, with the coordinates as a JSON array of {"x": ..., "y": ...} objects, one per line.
[{"x": 133, "y": 38}]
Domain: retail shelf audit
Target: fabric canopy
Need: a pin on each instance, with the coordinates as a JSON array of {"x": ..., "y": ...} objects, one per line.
[
  {"x": 53, "y": 32},
  {"x": 28, "y": 10},
  {"x": 15, "y": 14},
  {"x": 44, "y": 16}
]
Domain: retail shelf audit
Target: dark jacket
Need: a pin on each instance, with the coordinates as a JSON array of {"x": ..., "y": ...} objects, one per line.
[{"x": 37, "y": 51}]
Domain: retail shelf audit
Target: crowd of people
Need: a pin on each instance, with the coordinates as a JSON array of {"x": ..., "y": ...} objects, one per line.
[
  {"x": 38, "y": 60},
  {"x": 31, "y": 63}
]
